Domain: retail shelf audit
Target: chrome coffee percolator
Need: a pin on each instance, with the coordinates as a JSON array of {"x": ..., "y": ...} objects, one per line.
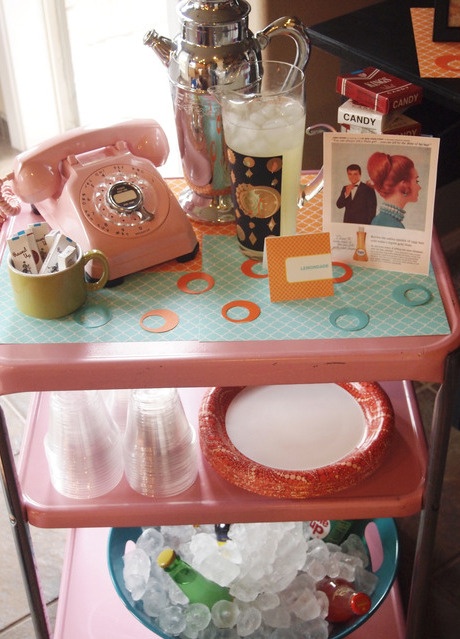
[{"x": 213, "y": 47}]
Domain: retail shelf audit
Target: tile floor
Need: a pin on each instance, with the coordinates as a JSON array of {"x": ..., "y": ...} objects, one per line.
[{"x": 443, "y": 619}]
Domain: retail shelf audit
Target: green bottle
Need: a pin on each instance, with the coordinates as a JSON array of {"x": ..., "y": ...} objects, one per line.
[
  {"x": 333, "y": 531},
  {"x": 197, "y": 588}
]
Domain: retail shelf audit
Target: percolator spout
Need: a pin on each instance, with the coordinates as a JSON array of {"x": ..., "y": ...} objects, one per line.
[{"x": 163, "y": 47}]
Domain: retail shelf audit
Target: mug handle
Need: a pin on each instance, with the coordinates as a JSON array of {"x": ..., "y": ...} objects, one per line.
[
  {"x": 96, "y": 254},
  {"x": 315, "y": 186}
]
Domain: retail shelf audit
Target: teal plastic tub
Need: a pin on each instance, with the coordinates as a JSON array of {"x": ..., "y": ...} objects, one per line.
[{"x": 379, "y": 535}]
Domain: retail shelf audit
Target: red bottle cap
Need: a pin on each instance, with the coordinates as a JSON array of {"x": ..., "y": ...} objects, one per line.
[{"x": 360, "y": 603}]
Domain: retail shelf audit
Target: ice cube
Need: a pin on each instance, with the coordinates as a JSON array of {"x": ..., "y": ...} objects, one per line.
[
  {"x": 211, "y": 632},
  {"x": 219, "y": 569},
  {"x": 306, "y": 606},
  {"x": 289, "y": 596},
  {"x": 202, "y": 545},
  {"x": 315, "y": 629},
  {"x": 249, "y": 620},
  {"x": 267, "y": 601},
  {"x": 275, "y": 123},
  {"x": 365, "y": 581},
  {"x": 174, "y": 536},
  {"x": 333, "y": 565},
  {"x": 353, "y": 545},
  {"x": 136, "y": 571},
  {"x": 279, "y": 581},
  {"x": 155, "y": 598},
  {"x": 231, "y": 551},
  {"x": 318, "y": 548},
  {"x": 323, "y": 603},
  {"x": 197, "y": 618},
  {"x": 281, "y": 633},
  {"x": 151, "y": 541},
  {"x": 224, "y": 614},
  {"x": 278, "y": 617},
  {"x": 257, "y": 119},
  {"x": 315, "y": 568},
  {"x": 346, "y": 571},
  {"x": 245, "y": 591},
  {"x": 292, "y": 111},
  {"x": 172, "y": 620}
]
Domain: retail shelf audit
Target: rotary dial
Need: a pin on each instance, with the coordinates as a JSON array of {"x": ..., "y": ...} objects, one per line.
[{"x": 121, "y": 199}]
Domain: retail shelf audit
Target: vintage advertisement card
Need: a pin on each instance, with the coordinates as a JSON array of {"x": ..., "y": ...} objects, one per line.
[{"x": 379, "y": 199}]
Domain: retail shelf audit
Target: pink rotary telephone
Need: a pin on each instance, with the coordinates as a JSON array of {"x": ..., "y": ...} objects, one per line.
[{"x": 101, "y": 188}]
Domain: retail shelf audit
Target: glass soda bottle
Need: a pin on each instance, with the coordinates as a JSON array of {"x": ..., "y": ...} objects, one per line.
[
  {"x": 194, "y": 585},
  {"x": 221, "y": 531},
  {"x": 332, "y": 531},
  {"x": 344, "y": 601}
]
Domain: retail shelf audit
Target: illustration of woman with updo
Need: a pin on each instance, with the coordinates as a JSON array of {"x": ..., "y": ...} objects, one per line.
[{"x": 395, "y": 179}]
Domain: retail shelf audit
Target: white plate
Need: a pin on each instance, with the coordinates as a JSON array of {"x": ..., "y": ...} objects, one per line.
[
  {"x": 295, "y": 427},
  {"x": 296, "y": 441}
]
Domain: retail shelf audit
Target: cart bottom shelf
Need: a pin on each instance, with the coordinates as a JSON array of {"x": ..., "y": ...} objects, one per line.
[{"x": 89, "y": 606}]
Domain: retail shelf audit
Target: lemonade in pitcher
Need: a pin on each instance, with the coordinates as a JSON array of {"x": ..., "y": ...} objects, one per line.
[{"x": 264, "y": 133}]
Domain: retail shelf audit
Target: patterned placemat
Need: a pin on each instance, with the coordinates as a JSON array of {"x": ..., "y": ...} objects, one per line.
[
  {"x": 369, "y": 291},
  {"x": 200, "y": 315},
  {"x": 435, "y": 59}
]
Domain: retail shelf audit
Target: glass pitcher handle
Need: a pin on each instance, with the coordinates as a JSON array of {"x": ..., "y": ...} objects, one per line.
[{"x": 292, "y": 27}]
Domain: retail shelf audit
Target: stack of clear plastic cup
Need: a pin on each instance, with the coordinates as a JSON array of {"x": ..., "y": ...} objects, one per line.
[
  {"x": 83, "y": 445},
  {"x": 159, "y": 445},
  {"x": 117, "y": 403}
]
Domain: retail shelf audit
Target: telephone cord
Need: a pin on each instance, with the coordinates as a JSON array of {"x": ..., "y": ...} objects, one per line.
[{"x": 9, "y": 202}]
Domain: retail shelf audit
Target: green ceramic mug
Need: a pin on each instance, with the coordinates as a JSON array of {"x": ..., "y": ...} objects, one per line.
[{"x": 54, "y": 295}]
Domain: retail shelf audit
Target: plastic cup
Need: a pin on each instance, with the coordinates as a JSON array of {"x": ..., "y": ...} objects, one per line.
[
  {"x": 82, "y": 445},
  {"x": 117, "y": 401},
  {"x": 159, "y": 445}
]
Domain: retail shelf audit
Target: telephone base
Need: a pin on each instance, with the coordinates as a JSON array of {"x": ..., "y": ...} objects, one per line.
[
  {"x": 189, "y": 256},
  {"x": 170, "y": 243},
  {"x": 117, "y": 281}
]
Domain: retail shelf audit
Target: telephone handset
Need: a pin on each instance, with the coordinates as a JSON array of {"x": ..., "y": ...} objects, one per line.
[{"x": 101, "y": 188}]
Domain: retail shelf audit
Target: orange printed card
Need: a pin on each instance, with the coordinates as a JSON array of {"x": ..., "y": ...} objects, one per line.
[{"x": 299, "y": 266}]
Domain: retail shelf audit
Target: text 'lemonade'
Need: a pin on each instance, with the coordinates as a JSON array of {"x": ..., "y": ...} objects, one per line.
[{"x": 265, "y": 139}]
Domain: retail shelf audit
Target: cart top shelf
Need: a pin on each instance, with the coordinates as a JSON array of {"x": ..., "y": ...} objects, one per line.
[{"x": 293, "y": 342}]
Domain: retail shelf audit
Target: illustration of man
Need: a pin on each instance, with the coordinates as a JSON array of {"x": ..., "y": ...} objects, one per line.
[{"x": 358, "y": 199}]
